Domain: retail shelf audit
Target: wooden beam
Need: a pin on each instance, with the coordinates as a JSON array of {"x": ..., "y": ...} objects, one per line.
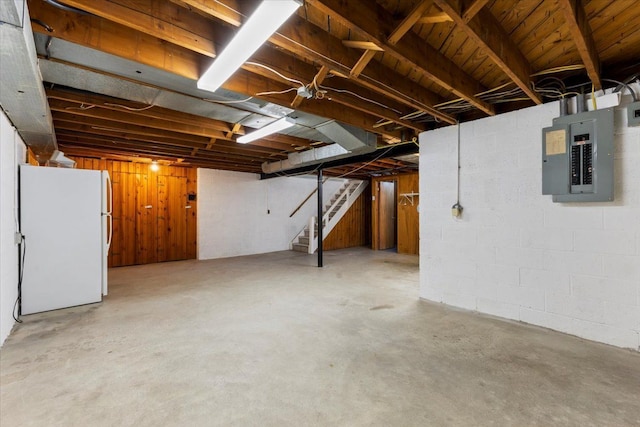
[
  {"x": 83, "y": 125},
  {"x": 318, "y": 79},
  {"x": 364, "y": 60},
  {"x": 236, "y": 129},
  {"x": 143, "y": 21},
  {"x": 77, "y": 124},
  {"x": 102, "y": 126},
  {"x": 343, "y": 93},
  {"x": 245, "y": 82},
  {"x": 140, "y": 120},
  {"x": 409, "y": 21},
  {"x": 115, "y": 39},
  {"x": 109, "y": 152},
  {"x": 83, "y": 30},
  {"x": 307, "y": 41},
  {"x": 134, "y": 108},
  {"x": 102, "y": 113},
  {"x": 155, "y": 148},
  {"x": 578, "y": 24},
  {"x": 242, "y": 83},
  {"x": 473, "y": 9},
  {"x": 160, "y": 115},
  {"x": 369, "y": 20},
  {"x": 306, "y": 72},
  {"x": 435, "y": 18},
  {"x": 355, "y": 44},
  {"x": 229, "y": 11},
  {"x": 310, "y": 43},
  {"x": 492, "y": 39},
  {"x": 379, "y": 111}
]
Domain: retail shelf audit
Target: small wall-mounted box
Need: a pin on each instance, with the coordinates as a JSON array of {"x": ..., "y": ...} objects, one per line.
[
  {"x": 633, "y": 114},
  {"x": 577, "y": 157}
]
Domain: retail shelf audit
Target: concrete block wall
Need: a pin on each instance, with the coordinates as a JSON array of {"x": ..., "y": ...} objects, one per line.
[
  {"x": 514, "y": 253},
  {"x": 238, "y": 214},
  {"x": 12, "y": 152}
]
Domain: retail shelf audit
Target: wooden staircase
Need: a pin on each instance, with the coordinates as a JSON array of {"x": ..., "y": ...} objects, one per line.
[{"x": 333, "y": 212}]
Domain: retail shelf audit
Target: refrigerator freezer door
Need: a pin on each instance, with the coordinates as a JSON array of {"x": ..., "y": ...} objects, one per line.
[{"x": 60, "y": 212}]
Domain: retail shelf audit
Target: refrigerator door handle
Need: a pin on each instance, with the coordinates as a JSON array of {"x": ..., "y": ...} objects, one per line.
[
  {"x": 110, "y": 198},
  {"x": 110, "y": 210},
  {"x": 110, "y": 230}
]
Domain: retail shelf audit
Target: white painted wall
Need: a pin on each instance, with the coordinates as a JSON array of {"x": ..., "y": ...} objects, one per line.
[
  {"x": 12, "y": 152},
  {"x": 232, "y": 212},
  {"x": 574, "y": 268}
]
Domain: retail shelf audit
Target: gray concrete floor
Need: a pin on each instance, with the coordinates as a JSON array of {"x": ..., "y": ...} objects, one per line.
[{"x": 271, "y": 340}]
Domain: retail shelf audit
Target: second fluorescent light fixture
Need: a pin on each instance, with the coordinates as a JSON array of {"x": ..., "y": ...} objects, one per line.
[
  {"x": 273, "y": 127},
  {"x": 266, "y": 19}
]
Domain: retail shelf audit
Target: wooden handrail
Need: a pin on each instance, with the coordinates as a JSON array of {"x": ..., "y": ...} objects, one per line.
[{"x": 306, "y": 199}]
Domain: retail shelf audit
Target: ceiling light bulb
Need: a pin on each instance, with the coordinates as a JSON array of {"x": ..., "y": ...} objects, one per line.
[
  {"x": 273, "y": 127},
  {"x": 154, "y": 166},
  {"x": 266, "y": 19}
]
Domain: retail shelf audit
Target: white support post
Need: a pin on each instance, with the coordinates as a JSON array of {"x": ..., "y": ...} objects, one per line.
[{"x": 312, "y": 237}]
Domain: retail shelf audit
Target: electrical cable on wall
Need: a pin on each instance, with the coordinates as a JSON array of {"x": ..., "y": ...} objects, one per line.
[
  {"x": 23, "y": 257},
  {"x": 16, "y": 161},
  {"x": 456, "y": 209},
  {"x": 625, "y": 85}
]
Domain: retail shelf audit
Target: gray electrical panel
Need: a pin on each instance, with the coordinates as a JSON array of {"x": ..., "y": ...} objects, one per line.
[
  {"x": 633, "y": 114},
  {"x": 577, "y": 157}
]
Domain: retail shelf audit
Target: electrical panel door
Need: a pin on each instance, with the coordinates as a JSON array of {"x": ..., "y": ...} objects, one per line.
[
  {"x": 577, "y": 157},
  {"x": 555, "y": 144}
]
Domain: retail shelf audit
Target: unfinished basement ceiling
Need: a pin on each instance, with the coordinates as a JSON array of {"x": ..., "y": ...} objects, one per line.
[{"x": 121, "y": 77}]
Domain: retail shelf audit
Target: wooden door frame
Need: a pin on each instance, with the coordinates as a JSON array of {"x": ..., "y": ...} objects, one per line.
[{"x": 375, "y": 208}]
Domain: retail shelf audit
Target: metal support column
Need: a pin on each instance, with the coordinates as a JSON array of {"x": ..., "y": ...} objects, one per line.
[{"x": 319, "y": 222}]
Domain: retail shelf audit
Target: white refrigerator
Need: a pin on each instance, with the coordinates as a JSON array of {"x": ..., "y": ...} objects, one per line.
[{"x": 65, "y": 218}]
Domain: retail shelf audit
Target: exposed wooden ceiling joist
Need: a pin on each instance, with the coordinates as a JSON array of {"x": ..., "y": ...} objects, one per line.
[
  {"x": 163, "y": 29},
  {"x": 473, "y": 8},
  {"x": 489, "y": 36},
  {"x": 581, "y": 32},
  {"x": 420, "y": 68},
  {"x": 403, "y": 28},
  {"x": 286, "y": 64},
  {"x": 318, "y": 79},
  {"x": 88, "y": 31},
  {"x": 435, "y": 18},
  {"x": 308, "y": 42},
  {"x": 370, "y": 21},
  {"x": 87, "y": 150},
  {"x": 93, "y": 106},
  {"x": 77, "y": 125}
]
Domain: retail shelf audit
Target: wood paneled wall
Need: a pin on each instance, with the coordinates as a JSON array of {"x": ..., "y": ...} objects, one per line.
[
  {"x": 408, "y": 216},
  {"x": 408, "y": 236},
  {"x": 354, "y": 228},
  {"x": 153, "y": 219},
  {"x": 31, "y": 158}
]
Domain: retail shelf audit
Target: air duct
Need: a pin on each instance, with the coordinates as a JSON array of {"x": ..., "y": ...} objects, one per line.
[
  {"x": 349, "y": 141},
  {"x": 22, "y": 95},
  {"x": 58, "y": 159}
]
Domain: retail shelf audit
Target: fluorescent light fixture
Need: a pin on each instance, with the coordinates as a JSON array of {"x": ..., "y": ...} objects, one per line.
[
  {"x": 273, "y": 127},
  {"x": 266, "y": 19}
]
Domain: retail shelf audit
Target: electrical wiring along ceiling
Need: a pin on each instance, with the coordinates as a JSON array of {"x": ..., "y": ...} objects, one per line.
[{"x": 120, "y": 76}]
